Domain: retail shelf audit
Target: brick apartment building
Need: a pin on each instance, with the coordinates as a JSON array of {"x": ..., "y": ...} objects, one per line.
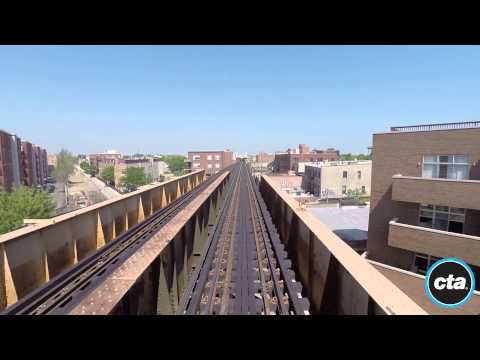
[
  {"x": 264, "y": 158},
  {"x": 425, "y": 196},
  {"x": 211, "y": 161},
  {"x": 28, "y": 164},
  {"x": 21, "y": 163},
  {"x": 41, "y": 165},
  {"x": 44, "y": 162},
  {"x": 103, "y": 160},
  {"x": 288, "y": 161},
  {"x": 6, "y": 166}
]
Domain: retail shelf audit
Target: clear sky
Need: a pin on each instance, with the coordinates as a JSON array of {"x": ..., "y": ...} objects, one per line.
[{"x": 171, "y": 99}]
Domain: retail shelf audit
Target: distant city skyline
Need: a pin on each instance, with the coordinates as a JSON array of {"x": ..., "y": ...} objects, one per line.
[{"x": 175, "y": 99}]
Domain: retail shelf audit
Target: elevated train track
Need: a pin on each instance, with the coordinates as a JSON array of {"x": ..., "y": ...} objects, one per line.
[
  {"x": 63, "y": 292},
  {"x": 243, "y": 268},
  {"x": 215, "y": 249}
]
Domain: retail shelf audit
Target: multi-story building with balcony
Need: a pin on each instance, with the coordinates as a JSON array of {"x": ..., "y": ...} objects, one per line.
[
  {"x": 211, "y": 161},
  {"x": 425, "y": 196},
  {"x": 21, "y": 163},
  {"x": 16, "y": 146},
  {"x": 6, "y": 166},
  {"x": 28, "y": 164}
]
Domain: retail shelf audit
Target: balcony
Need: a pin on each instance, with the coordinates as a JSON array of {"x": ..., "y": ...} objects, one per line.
[
  {"x": 434, "y": 242},
  {"x": 445, "y": 192}
]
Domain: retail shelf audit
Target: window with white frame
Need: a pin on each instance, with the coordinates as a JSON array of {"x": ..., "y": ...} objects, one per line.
[
  {"x": 217, "y": 157},
  {"x": 217, "y": 166},
  {"x": 442, "y": 218},
  {"x": 196, "y": 165},
  {"x": 455, "y": 167},
  {"x": 209, "y": 166},
  {"x": 196, "y": 157},
  {"x": 209, "y": 157}
]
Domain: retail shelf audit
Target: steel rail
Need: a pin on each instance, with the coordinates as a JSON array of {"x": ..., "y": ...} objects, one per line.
[
  {"x": 300, "y": 305},
  {"x": 191, "y": 297},
  {"x": 259, "y": 218},
  {"x": 225, "y": 245},
  {"x": 256, "y": 244}
]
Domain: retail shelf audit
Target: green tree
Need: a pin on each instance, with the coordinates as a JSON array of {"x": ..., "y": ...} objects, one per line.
[
  {"x": 108, "y": 175},
  {"x": 354, "y": 194},
  {"x": 350, "y": 157},
  {"x": 23, "y": 203},
  {"x": 88, "y": 168},
  {"x": 134, "y": 178},
  {"x": 176, "y": 163},
  {"x": 64, "y": 167}
]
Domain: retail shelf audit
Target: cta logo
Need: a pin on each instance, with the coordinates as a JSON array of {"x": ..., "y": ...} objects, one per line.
[{"x": 449, "y": 283}]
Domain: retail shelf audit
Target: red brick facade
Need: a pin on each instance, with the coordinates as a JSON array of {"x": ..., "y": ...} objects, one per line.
[{"x": 211, "y": 161}]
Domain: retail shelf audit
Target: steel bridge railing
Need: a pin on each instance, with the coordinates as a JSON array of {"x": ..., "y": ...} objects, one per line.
[{"x": 444, "y": 126}]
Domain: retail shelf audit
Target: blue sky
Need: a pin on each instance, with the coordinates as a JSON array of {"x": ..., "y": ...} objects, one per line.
[{"x": 171, "y": 99}]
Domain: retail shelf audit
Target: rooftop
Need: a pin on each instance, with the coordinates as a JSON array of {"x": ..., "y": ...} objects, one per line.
[
  {"x": 413, "y": 285},
  {"x": 337, "y": 163},
  {"x": 350, "y": 223},
  {"x": 444, "y": 126},
  {"x": 211, "y": 151}
]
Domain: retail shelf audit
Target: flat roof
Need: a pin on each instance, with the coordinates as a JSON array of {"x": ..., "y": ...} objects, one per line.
[
  {"x": 466, "y": 125},
  {"x": 336, "y": 163},
  {"x": 350, "y": 223},
  {"x": 289, "y": 181},
  {"x": 212, "y": 151}
]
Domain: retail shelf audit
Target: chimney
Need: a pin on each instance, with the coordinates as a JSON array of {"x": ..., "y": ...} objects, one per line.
[{"x": 304, "y": 149}]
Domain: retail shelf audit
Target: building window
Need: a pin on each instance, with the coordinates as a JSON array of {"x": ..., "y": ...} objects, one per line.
[
  {"x": 209, "y": 166},
  {"x": 446, "y": 167},
  {"x": 209, "y": 157},
  {"x": 217, "y": 157},
  {"x": 196, "y": 165},
  {"x": 442, "y": 218},
  {"x": 217, "y": 166},
  {"x": 344, "y": 189},
  {"x": 363, "y": 189},
  {"x": 422, "y": 262},
  {"x": 196, "y": 157},
  {"x": 359, "y": 174},
  {"x": 344, "y": 174}
]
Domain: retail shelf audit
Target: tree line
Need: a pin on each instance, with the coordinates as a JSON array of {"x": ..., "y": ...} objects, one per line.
[{"x": 350, "y": 157}]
